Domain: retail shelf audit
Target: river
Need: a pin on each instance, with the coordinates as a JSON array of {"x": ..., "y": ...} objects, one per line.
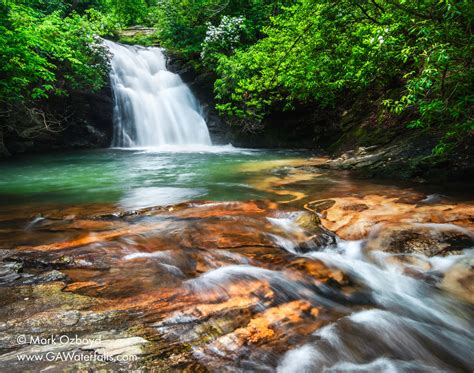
[
  {"x": 190, "y": 257},
  {"x": 232, "y": 278}
]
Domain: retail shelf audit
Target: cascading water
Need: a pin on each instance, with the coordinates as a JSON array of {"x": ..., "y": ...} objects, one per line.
[
  {"x": 413, "y": 328},
  {"x": 153, "y": 106}
]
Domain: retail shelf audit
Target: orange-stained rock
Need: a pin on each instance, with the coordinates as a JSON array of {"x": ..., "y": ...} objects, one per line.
[
  {"x": 151, "y": 273},
  {"x": 428, "y": 239},
  {"x": 459, "y": 280},
  {"x": 318, "y": 270},
  {"x": 79, "y": 285},
  {"x": 267, "y": 325},
  {"x": 352, "y": 218}
]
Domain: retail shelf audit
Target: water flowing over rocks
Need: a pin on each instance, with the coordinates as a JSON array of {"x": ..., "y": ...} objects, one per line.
[
  {"x": 194, "y": 261},
  {"x": 307, "y": 282},
  {"x": 153, "y": 106},
  {"x": 201, "y": 284},
  {"x": 428, "y": 239},
  {"x": 353, "y": 217},
  {"x": 459, "y": 280}
]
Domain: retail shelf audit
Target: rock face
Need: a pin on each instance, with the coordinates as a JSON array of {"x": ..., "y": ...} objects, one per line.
[
  {"x": 413, "y": 237},
  {"x": 133, "y": 31},
  {"x": 82, "y": 120},
  {"x": 353, "y": 218},
  {"x": 408, "y": 157},
  {"x": 305, "y": 127},
  {"x": 459, "y": 280}
]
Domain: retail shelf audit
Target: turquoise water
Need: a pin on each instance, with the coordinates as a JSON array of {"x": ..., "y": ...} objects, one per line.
[
  {"x": 140, "y": 178},
  {"x": 132, "y": 178}
]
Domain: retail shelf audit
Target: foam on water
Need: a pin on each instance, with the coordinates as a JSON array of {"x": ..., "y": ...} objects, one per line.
[
  {"x": 415, "y": 326},
  {"x": 153, "y": 106}
]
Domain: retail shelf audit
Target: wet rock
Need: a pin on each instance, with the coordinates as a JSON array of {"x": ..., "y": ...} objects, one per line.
[
  {"x": 9, "y": 272},
  {"x": 300, "y": 232},
  {"x": 318, "y": 270},
  {"x": 102, "y": 351},
  {"x": 430, "y": 277},
  {"x": 278, "y": 184},
  {"x": 359, "y": 158},
  {"x": 358, "y": 207},
  {"x": 20, "y": 303},
  {"x": 263, "y": 328},
  {"x": 410, "y": 261},
  {"x": 50, "y": 276},
  {"x": 352, "y": 218},
  {"x": 319, "y": 236},
  {"x": 89, "y": 123},
  {"x": 459, "y": 279},
  {"x": 15, "y": 273},
  {"x": 320, "y": 206},
  {"x": 208, "y": 283},
  {"x": 308, "y": 221},
  {"x": 322, "y": 239},
  {"x": 424, "y": 239},
  {"x": 41, "y": 260},
  {"x": 129, "y": 347},
  {"x": 33, "y": 350},
  {"x": 136, "y": 30}
]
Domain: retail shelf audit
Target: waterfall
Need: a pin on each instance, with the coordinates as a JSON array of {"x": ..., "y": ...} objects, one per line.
[{"x": 153, "y": 106}]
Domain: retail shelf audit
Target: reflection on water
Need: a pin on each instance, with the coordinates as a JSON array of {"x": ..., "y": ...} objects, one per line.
[
  {"x": 112, "y": 176},
  {"x": 375, "y": 278},
  {"x": 139, "y": 198},
  {"x": 213, "y": 173}
]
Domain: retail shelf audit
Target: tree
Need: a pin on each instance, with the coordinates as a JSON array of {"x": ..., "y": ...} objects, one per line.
[{"x": 316, "y": 50}]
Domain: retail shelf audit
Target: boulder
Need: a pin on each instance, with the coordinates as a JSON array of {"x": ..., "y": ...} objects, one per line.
[
  {"x": 424, "y": 239},
  {"x": 459, "y": 279},
  {"x": 308, "y": 221}
]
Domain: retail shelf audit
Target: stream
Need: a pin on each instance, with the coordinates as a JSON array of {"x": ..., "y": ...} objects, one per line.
[
  {"x": 213, "y": 258},
  {"x": 165, "y": 253}
]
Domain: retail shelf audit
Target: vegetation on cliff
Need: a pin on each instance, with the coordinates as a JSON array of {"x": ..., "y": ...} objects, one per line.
[
  {"x": 50, "y": 50},
  {"x": 318, "y": 51},
  {"x": 265, "y": 54}
]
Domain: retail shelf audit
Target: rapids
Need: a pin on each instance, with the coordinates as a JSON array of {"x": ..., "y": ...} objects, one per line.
[
  {"x": 318, "y": 272},
  {"x": 175, "y": 255}
]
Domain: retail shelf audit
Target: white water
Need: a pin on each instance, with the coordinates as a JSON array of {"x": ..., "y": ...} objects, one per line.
[
  {"x": 392, "y": 321},
  {"x": 153, "y": 106},
  {"x": 415, "y": 326}
]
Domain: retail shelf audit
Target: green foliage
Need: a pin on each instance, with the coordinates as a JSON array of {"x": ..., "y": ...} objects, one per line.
[
  {"x": 127, "y": 12},
  {"x": 147, "y": 40},
  {"x": 182, "y": 24},
  {"x": 438, "y": 76},
  {"x": 311, "y": 52},
  {"x": 45, "y": 53},
  {"x": 222, "y": 38},
  {"x": 267, "y": 54},
  {"x": 51, "y": 48},
  {"x": 318, "y": 50}
]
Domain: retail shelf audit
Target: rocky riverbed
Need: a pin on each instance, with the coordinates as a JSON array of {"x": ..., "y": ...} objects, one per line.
[{"x": 303, "y": 283}]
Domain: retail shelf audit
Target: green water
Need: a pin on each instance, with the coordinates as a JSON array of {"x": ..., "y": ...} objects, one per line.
[{"x": 132, "y": 178}]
